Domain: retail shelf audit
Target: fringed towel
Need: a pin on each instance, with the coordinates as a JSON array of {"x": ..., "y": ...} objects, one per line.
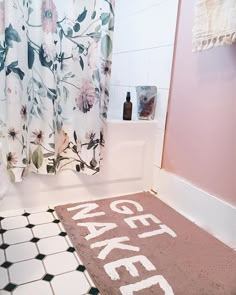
[{"x": 214, "y": 24}]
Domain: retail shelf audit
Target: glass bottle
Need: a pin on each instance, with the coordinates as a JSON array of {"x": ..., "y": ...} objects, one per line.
[{"x": 127, "y": 109}]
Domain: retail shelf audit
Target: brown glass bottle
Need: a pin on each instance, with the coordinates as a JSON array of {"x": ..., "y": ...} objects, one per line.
[{"x": 127, "y": 109}]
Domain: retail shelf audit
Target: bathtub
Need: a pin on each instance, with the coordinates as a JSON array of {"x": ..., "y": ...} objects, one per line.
[{"x": 127, "y": 168}]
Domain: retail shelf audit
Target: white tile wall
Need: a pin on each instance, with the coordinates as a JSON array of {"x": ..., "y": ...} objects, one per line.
[
  {"x": 126, "y": 8},
  {"x": 142, "y": 55},
  {"x": 130, "y": 68},
  {"x": 159, "y": 66},
  {"x": 148, "y": 28}
]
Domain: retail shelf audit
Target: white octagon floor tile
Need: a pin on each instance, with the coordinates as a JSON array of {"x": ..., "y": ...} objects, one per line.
[
  {"x": 40, "y": 218},
  {"x": 36, "y": 209},
  {"x": 60, "y": 263},
  {"x": 0, "y": 239},
  {"x": 3, "y": 278},
  {"x": 46, "y": 230},
  {"x": 20, "y": 252},
  {"x": 14, "y": 222},
  {"x": 70, "y": 283},
  {"x": 2, "y": 256},
  {"x": 36, "y": 288},
  {"x": 17, "y": 236},
  {"x": 52, "y": 245},
  {"x": 26, "y": 271},
  {"x": 12, "y": 213}
]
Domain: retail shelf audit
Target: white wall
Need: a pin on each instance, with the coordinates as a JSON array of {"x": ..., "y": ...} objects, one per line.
[{"x": 143, "y": 53}]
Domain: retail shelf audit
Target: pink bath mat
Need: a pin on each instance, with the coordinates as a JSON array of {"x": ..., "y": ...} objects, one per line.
[{"x": 137, "y": 245}]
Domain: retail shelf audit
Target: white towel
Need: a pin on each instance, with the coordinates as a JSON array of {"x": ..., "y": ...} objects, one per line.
[{"x": 214, "y": 24}]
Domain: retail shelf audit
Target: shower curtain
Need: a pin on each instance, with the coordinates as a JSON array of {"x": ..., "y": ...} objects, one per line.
[{"x": 55, "y": 67}]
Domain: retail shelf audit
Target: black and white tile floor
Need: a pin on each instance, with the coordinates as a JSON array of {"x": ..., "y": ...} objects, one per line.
[{"x": 37, "y": 257}]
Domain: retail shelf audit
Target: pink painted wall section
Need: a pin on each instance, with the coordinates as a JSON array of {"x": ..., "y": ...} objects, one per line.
[{"x": 200, "y": 142}]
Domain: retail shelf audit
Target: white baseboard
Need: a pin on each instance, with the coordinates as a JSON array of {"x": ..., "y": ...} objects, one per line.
[{"x": 210, "y": 213}]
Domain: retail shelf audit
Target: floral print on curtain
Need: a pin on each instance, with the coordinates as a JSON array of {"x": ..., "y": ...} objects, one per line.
[{"x": 55, "y": 67}]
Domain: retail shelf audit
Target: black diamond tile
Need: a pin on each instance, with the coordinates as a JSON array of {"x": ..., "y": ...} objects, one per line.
[
  {"x": 10, "y": 287},
  {"x": 6, "y": 264},
  {"x": 62, "y": 234},
  {"x": 81, "y": 268},
  {"x": 26, "y": 214},
  {"x": 2, "y": 231},
  {"x": 34, "y": 240},
  {"x": 56, "y": 221},
  {"x": 71, "y": 249},
  {"x": 4, "y": 246},
  {"x": 1, "y": 218},
  {"x": 48, "y": 278},
  {"x": 30, "y": 225},
  {"x": 40, "y": 256},
  {"x": 50, "y": 210},
  {"x": 93, "y": 291}
]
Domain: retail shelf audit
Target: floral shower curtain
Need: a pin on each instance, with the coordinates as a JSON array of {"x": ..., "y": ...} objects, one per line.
[{"x": 55, "y": 67}]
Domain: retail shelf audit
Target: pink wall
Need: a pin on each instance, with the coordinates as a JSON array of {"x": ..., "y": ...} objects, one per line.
[{"x": 200, "y": 143}]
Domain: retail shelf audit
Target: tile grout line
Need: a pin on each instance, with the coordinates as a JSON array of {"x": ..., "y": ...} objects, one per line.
[
  {"x": 5, "y": 255},
  {"x": 143, "y": 49},
  {"x": 36, "y": 244},
  {"x": 78, "y": 259},
  {"x": 68, "y": 242},
  {"x": 130, "y": 14},
  {"x": 61, "y": 227},
  {"x": 29, "y": 258},
  {"x": 43, "y": 261}
]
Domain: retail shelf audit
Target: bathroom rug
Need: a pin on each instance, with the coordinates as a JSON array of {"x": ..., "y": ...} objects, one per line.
[{"x": 137, "y": 245}]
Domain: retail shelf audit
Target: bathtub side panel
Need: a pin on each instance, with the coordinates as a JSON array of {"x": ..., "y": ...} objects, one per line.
[{"x": 126, "y": 169}]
